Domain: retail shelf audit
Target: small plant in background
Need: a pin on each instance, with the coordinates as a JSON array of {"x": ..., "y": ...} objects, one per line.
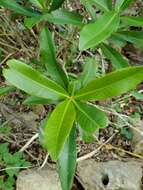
[
  {"x": 12, "y": 164},
  {"x": 74, "y": 97}
]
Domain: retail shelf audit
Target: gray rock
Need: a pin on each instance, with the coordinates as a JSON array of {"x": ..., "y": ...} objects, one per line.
[
  {"x": 137, "y": 141},
  {"x": 34, "y": 179},
  {"x": 112, "y": 175}
]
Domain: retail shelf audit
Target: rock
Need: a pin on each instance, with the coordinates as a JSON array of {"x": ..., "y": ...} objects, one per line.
[
  {"x": 137, "y": 142},
  {"x": 22, "y": 119},
  {"x": 34, "y": 179},
  {"x": 112, "y": 175},
  {"x": 138, "y": 149}
]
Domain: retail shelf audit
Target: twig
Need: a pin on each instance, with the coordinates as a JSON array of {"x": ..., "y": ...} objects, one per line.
[
  {"x": 29, "y": 142},
  {"x": 45, "y": 161},
  {"x": 85, "y": 157},
  {"x": 109, "y": 146}
]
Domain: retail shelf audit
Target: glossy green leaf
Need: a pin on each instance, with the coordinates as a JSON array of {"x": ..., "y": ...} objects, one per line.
[
  {"x": 95, "y": 33},
  {"x": 56, "y": 17},
  {"x": 14, "y": 6},
  {"x": 112, "y": 84},
  {"x": 58, "y": 128},
  {"x": 135, "y": 37},
  {"x": 117, "y": 59},
  {"x": 48, "y": 58},
  {"x": 67, "y": 161},
  {"x": 90, "y": 118},
  {"x": 33, "y": 100},
  {"x": 56, "y": 4},
  {"x": 89, "y": 71},
  {"x": 102, "y": 4},
  {"x": 31, "y": 81},
  {"x": 132, "y": 20},
  {"x": 66, "y": 17},
  {"x": 6, "y": 90},
  {"x": 122, "y": 4}
]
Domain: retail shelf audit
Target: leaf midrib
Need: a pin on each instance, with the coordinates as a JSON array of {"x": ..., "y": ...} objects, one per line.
[{"x": 60, "y": 124}]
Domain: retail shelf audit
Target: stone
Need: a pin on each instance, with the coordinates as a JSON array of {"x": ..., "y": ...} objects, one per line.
[
  {"x": 138, "y": 149},
  {"x": 111, "y": 175},
  {"x": 137, "y": 141},
  {"x": 35, "y": 179}
]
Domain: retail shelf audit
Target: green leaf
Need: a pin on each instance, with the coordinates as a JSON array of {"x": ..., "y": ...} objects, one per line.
[
  {"x": 89, "y": 8},
  {"x": 127, "y": 133},
  {"x": 102, "y": 4},
  {"x": 56, "y": 4},
  {"x": 36, "y": 3},
  {"x": 90, "y": 118},
  {"x": 112, "y": 84},
  {"x": 95, "y": 33},
  {"x": 14, "y": 6},
  {"x": 56, "y": 17},
  {"x": 132, "y": 20},
  {"x": 48, "y": 58},
  {"x": 137, "y": 95},
  {"x": 58, "y": 128},
  {"x": 122, "y": 4},
  {"x": 89, "y": 71},
  {"x": 86, "y": 136},
  {"x": 6, "y": 90},
  {"x": 31, "y": 81},
  {"x": 117, "y": 59},
  {"x": 32, "y": 100},
  {"x": 66, "y": 17},
  {"x": 135, "y": 37},
  {"x": 67, "y": 161}
]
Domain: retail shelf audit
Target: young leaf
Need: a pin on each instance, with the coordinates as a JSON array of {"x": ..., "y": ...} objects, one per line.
[
  {"x": 132, "y": 21},
  {"x": 31, "y": 81},
  {"x": 102, "y": 4},
  {"x": 135, "y": 37},
  {"x": 6, "y": 90},
  {"x": 14, "y": 6},
  {"x": 122, "y": 4},
  {"x": 67, "y": 161},
  {"x": 90, "y": 70},
  {"x": 32, "y": 100},
  {"x": 94, "y": 33},
  {"x": 112, "y": 84},
  {"x": 58, "y": 128},
  {"x": 48, "y": 58},
  {"x": 90, "y": 118},
  {"x": 56, "y": 4},
  {"x": 117, "y": 59}
]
